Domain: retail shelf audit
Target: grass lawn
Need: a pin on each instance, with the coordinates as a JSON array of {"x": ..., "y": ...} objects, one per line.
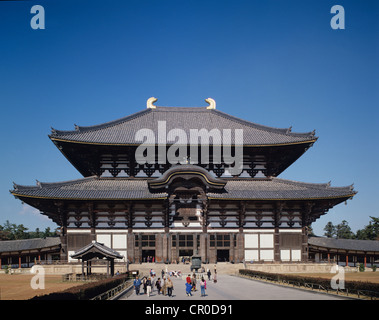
[{"x": 17, "y": 286}]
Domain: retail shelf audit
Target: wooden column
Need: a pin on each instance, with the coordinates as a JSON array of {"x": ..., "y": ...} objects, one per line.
[
  {"x": 129, "y": 212},
  {"x": 92, "y": 221},
  {"x": 166, "y": 257},
  {"x": 204, "y": 249},
  {"x": 130, "y": 246},
  {"x": 347, "y": 259},
  {"x": 63, "y": 234},
  {"x": 306, "y": 220},
  {"x": 277, "y": 214},
  {"x": 240, "y": 250}
]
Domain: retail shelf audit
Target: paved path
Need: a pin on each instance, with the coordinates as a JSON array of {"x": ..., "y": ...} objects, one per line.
[{"x": 235, "y": 288}]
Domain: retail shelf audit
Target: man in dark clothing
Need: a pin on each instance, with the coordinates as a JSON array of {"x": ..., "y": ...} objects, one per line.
[{"x": 137, "y": 284}]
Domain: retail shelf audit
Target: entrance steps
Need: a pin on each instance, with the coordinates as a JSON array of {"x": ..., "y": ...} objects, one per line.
[{"x": 185, "y": 269}]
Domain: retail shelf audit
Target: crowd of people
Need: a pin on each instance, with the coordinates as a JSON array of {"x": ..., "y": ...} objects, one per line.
[{"x": 164, "y": 285}]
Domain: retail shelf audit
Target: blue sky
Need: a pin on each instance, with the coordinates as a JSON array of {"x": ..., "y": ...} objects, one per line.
[{"x": 277, "y": 63}]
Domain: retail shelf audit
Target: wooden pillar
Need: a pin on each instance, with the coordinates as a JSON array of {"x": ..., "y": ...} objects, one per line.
[
  {"x": 140, "y": 248},
  {"x": 159, "y": 247},
  {"x": 131, "y": 246},
  {"x": 231, "y": 248},
  {"x": 112, "y": 267},
  {"x": 278, "y": 209},
  {"x": 328, "y": 257},
  {"x": 204, "y": 247},
  {"x": 63, "y": 235},
  {"x": 365, "y": 261},
  {"x": 240, "y": 245},
  {"x": 92, "y": 221},
  {"x": 347, "y": 259},
  {"x": 19, "y": 262},
  {"x": 166, "y": 247},
  {"x": 276, "y": 245}
]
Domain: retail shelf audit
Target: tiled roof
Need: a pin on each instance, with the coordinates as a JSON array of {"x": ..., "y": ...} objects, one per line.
[
  {"x": 275, "y": 188},
  {"x": 93, "y": 188},
  {"x": 95, "y": 247},
  {"x": 90, "y": 188},
  {"x": 123, "y": 131},
  {"x": 28, "y": 244},
  {"x": 344, "y": 244}
]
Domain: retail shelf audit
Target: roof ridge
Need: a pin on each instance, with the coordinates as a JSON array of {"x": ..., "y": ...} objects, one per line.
[
  {"x": 101, "y": 125},
  {"x": 284, "y": 131},
  {"x": 52, "y": 184},
  {"x": 317, "y": 185}
]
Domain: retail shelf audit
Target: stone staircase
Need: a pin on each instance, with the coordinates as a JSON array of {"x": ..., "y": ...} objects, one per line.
[{"x": 221, "y": 267}]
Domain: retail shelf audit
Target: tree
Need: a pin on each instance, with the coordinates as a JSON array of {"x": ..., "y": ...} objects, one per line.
[
  {"x": 343, "y": 231},
  {"x": 11, "y": 231},
  {"x": 369, "y": 232},
  {"x": 330, "y": 230}
]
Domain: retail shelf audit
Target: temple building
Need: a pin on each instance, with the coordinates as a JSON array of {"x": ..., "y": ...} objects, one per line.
[{"x": 164, "y": 210}]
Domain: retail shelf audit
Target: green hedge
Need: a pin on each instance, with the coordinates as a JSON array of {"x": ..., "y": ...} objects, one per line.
[
  {"x": 351, "y": 286},
  {"x": 85, "y": 291}
]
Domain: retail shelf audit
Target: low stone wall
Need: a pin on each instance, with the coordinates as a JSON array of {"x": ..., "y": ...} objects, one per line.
[
  {"x": 292, "y": 267},
  {"x": 222, "y": 268}
]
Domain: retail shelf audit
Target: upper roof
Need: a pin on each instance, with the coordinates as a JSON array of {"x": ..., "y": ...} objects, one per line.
[
  {"x": 123, "y": 131},
  {"x": 95, "y": 188},
  {"x": 344, "y": 244}
]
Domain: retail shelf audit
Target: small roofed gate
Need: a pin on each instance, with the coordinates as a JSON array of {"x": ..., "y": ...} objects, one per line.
[{"x": 96, "y": 250}]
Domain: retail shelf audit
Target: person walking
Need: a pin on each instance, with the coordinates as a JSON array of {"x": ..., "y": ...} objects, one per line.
[
  {"x": 144, "y": 285},
  {"x": 148, "y": 286},
  {"x": 209, "y": 274},
  {"x": 158, "y": 285},
  {"x": 193, "y": 282},
  {"x": 170, "y": 287},
  {"x": 188, "y": 289},
  {"x": 137, "y": 285},
  {"x": 203, "y": 286},
  {"x": 164, "y": 286},
  {"x": 215, "y": 277}
]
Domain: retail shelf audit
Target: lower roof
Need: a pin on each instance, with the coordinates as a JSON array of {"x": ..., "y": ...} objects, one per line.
[
  {"x": 98, "y": 188},
  {"x": 344, "y": 244},
  {"x": 29, "y": 244}
]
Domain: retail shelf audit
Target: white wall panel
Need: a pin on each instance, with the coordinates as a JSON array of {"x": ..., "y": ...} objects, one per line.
[
  {"x": 251, "y": 255},
  {"x": 105, "y": 239},
  {"x": 285, "y": 255},
  {"x": 251, "y": 240},
  {"x": 296, "y": 255},
  {"x": 266, "y": 240},
  {"x": 266, "y": 255},
  {"x": 119, "y": 241}
]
